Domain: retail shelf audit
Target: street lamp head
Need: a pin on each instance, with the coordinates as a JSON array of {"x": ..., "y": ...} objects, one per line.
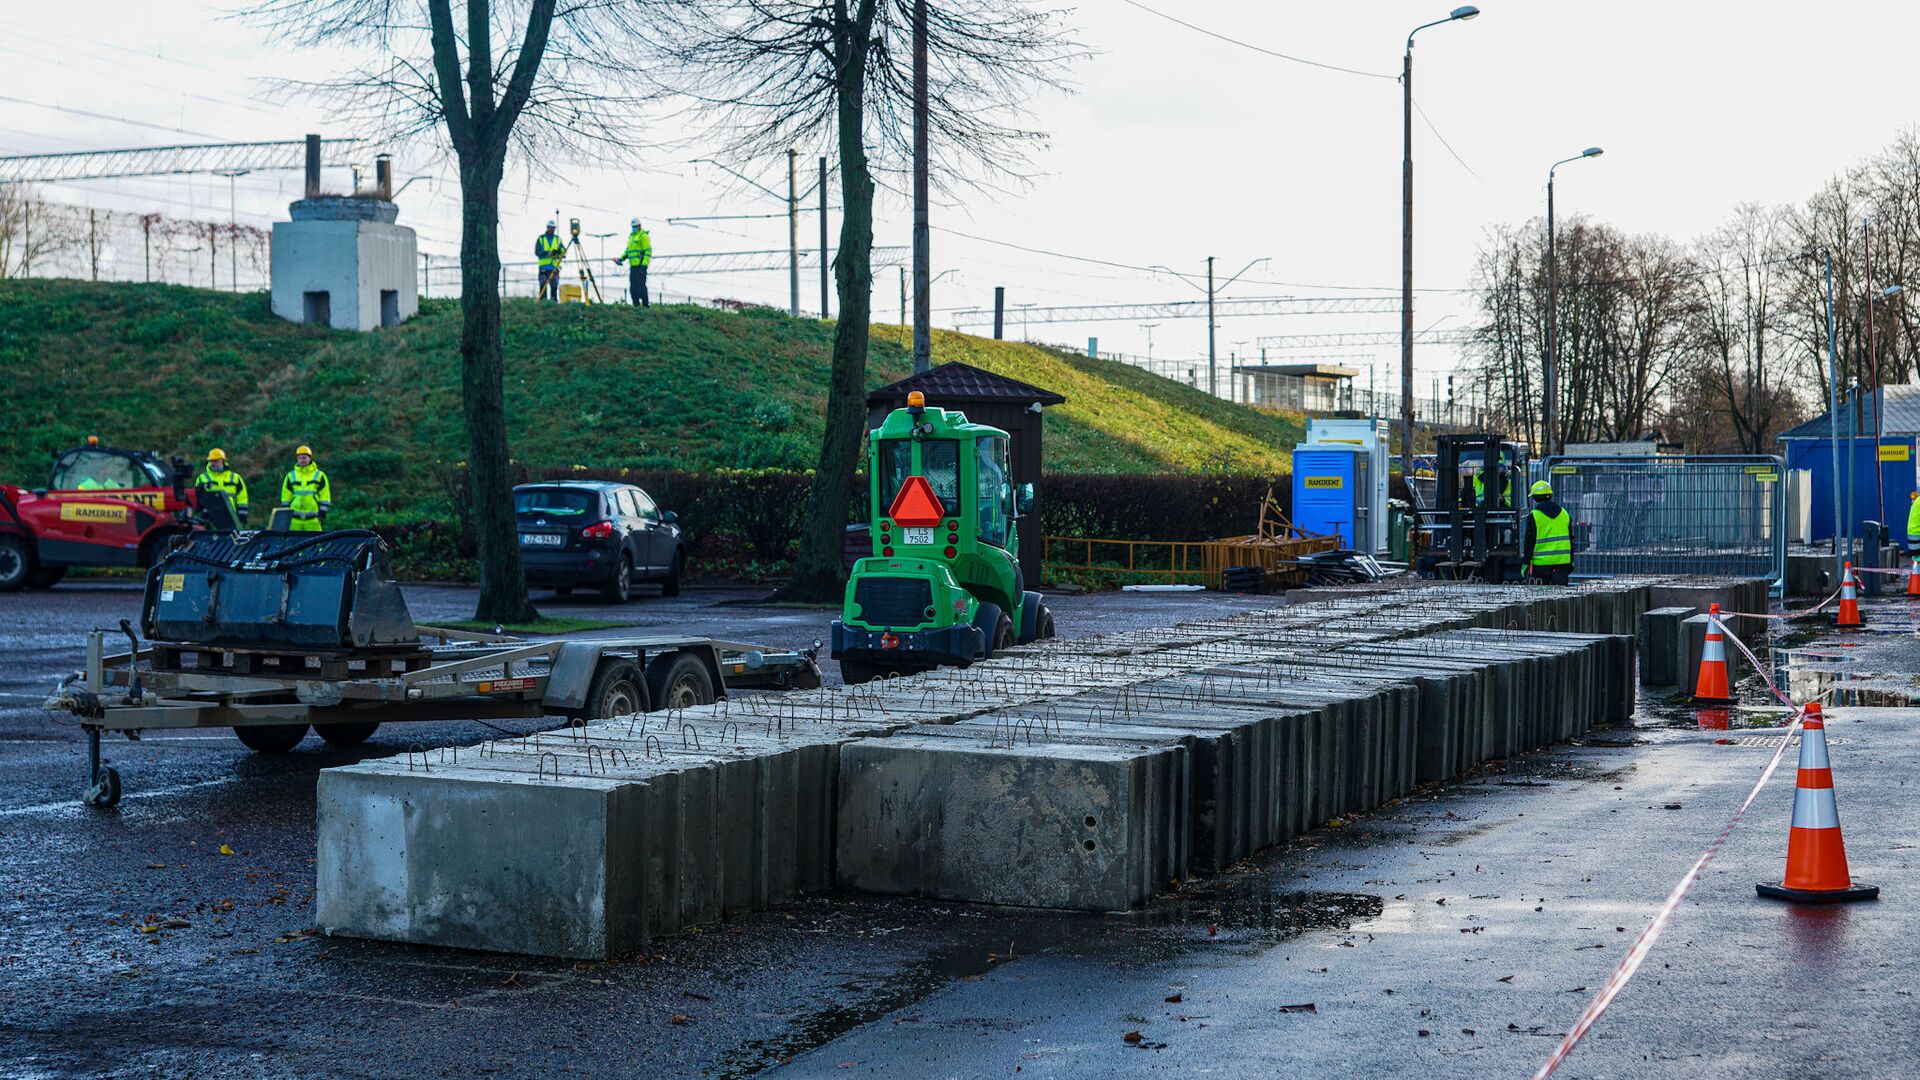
[
  {"x": 1592, "y": 151},
  {"x": 1464, "y": 13}
]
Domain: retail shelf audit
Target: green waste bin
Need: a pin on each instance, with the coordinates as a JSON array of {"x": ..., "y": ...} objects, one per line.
[{"x": 1399, "y": 530}]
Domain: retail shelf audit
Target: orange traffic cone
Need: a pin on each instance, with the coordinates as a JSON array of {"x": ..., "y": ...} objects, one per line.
[
  {"x": 1913, "y": 578},
  {"x": 1849, "y": 600},
  {"x": 1712, "y": 687},
  {"x": 1816, "y": 859}
]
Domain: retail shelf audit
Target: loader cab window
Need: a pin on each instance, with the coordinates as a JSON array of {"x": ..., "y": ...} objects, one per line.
[
  {"x": 992, "y": 491},
  {"x": 97, "y": 470},
  {"x": 939, "y": 463}
]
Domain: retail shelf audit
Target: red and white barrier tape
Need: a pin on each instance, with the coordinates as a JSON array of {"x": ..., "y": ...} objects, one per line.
[{"x": 1644, "y": 943}]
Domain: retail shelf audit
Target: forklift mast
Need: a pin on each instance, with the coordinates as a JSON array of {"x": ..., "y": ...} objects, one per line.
[{"x": 1481, "y": 535}]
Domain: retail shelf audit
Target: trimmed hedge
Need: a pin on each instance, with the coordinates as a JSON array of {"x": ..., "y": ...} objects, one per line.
[
  {"x": 757, "y": 513},
  {"x": 1167, "y": 507}
]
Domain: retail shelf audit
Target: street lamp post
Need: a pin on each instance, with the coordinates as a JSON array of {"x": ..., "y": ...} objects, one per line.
[
  {"x": 1550, "y": 433},
  {"x": 1458, "y": 14}
]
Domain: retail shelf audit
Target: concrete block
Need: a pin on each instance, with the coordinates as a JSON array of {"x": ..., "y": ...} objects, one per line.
[{"x": 1052, "y": 825}]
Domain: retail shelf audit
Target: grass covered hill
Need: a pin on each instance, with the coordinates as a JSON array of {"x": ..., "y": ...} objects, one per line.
[{"x": 179, "y": 369}]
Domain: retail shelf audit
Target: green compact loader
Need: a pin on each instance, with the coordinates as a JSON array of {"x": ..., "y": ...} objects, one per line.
[{"x": 943, "y": 585}]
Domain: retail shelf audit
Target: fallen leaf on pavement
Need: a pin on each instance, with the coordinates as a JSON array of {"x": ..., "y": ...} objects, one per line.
[
  {"x": 1131, "y": 1037},
  {"x": 1308, "y": 1007},
  {"x": 225, "y": 850},
  {"x": 1175, "y": 998}
]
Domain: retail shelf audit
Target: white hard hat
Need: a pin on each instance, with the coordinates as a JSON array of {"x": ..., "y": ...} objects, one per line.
[
  {"x": 552, "y": 224},
  {"x": 635, "y": 223}
]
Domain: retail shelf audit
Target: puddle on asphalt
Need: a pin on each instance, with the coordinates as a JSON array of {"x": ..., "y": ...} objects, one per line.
[{"x": 1241, "y": 908}]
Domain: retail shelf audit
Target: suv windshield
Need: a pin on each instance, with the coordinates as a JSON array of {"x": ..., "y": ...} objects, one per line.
[{"x": 554, "y": 502}]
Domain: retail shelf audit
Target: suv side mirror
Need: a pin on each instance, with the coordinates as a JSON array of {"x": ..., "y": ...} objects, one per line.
[
  {"x": 1023, "y": 500},
  {"x": 669, "y": 516}
]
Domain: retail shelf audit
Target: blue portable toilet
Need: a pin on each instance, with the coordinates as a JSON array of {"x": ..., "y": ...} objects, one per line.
[{"x": 1329, "y": 491}]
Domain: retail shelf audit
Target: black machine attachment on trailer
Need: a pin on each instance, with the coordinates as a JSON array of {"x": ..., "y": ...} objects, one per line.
[{"x": 271, "y": 634}]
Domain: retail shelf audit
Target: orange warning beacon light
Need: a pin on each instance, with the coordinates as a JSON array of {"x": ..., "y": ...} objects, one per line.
[{"x": 916, "y": 506}]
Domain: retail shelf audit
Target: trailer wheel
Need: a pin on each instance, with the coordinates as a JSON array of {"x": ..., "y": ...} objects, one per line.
[
  {"x": 347, "y": 734},
  {"x": 16, "y": 563},
  {"x": 617, "y": 690},
  {"x": 270, "y": 738},
  {"x": 105, "y": 791},
  {"x": 678, "y": 681}
]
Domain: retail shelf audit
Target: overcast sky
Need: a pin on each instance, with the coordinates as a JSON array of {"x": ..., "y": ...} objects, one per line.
[{"x": 1175, "y": 146}]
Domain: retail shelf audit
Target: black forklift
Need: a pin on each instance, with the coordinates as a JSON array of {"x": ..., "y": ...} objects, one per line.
[{"x": 1470, "y": 520}]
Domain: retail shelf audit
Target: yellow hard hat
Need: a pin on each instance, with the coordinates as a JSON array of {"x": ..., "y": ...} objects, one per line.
[
  {"x": 216, "y": 454},
  {"x": 1540, "y": 488},
  {"x": 303, "y": 449}
]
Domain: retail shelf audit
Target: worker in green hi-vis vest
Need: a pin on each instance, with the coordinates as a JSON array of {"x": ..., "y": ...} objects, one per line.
[
  {"x": 1913, "y": 523},
  {"x": 1548, "y": 543}
]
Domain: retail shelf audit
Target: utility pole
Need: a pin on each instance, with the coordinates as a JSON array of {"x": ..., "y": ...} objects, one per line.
[
  {"x": 825, "y": 308},
  {"x": 903, "y": 294},
  {"x": 233, "y": 225},
  {"x": 922, "y": 240},
  {"x": 793, "y": 238},
  {"x": 1406, "y": 236},
  {"x": 999, "y": 310},
  {"x": 1210, "y": 364}
]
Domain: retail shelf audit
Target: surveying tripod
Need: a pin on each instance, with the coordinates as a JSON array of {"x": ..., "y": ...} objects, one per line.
[{"x": 589, "y": 285}]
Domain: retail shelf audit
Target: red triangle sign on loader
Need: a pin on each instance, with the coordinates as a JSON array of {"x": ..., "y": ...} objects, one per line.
[{"x": 916, "y": 505}]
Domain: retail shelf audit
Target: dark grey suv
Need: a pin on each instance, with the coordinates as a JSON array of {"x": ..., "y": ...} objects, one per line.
[{"x": 597, "y": 534}]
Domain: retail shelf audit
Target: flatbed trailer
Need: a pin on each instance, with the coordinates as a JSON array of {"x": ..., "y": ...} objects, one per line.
[{"x": 270, "y": 697}]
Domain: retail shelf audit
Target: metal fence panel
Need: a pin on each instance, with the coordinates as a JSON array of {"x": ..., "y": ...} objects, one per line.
[{"x": 1691, "y": 514}]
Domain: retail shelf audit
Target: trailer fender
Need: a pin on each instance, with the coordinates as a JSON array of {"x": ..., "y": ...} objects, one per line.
[{"x": 572, "y": 674}]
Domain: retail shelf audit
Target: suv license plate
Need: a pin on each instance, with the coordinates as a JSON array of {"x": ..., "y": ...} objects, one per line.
[
  {"x": 919, "y": 536},
  {"x": 539, "y": 540}
]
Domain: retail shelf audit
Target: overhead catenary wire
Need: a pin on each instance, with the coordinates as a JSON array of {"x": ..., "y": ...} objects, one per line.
[{"x": 1289, "y": 57}]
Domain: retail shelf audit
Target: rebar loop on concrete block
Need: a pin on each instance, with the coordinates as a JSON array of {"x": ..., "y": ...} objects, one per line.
[
  {"x": 687, "y": 729},
  {"x": 594, "y": 755},
  {"x": 540, "y": 765},
  {"x": 613, "y": 751},
  {"x": 445, "y": 750},
  {"x": 652, "y": 749},
  {"x": 736, "y": 733},
  {"x": 424, "y": 763}
]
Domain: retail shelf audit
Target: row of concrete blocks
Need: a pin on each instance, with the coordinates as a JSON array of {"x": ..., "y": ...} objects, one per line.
[
  {"x": 1095, "y": 803},
  {"x": 589, "y": 843}
]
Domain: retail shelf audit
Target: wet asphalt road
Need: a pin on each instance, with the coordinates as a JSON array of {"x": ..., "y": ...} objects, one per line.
[{"x": 1456, "y": 933}]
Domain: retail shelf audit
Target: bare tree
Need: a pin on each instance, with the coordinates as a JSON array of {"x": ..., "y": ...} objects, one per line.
[
  {"x": 30, "y": 230},
  {"x": 512, "y": 75},
  {"x": 783, "y": 72}
]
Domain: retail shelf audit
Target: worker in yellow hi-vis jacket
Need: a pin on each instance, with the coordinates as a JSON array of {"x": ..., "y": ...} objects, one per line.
[{"x": 307, "y": 493}]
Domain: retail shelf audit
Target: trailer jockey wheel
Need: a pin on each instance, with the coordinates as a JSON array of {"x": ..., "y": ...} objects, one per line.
[{"x": 105, "y": 791}]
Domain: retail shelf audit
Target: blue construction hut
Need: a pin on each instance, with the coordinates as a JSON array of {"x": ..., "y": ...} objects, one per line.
[{"x": 1881, "y": 469}]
